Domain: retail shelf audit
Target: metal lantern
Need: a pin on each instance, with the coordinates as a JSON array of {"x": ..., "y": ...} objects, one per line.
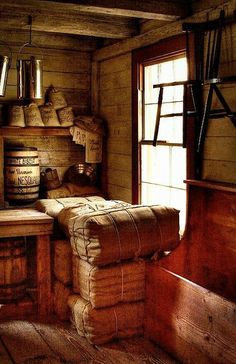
[
  {"x": 29, "y": 73},
  {"x": 30, "y": 78}
]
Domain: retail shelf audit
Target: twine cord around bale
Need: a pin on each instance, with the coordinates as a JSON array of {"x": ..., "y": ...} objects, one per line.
[
  {"x": 83, "y": 323},
  {"x": 116, "y": 323},
  {"x": 89, "y": 282},
  {"x": 117, "y": 234},
  {"x": 122, "y": 282},
  {"x": 137, "y": 253}
]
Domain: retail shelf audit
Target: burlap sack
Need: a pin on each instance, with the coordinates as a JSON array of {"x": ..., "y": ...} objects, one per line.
[
  {"x": 57, "y": 99},
  {"x": 107, "y": 286},
  {"x": 16, "y": 116},
  {"x": 112, "y": 235},
  {"x": 49, "y": 116},
  {"x": 60, "y": 300},
  {"x": 102, "y": 325},
  {"x": 32, "y": 115},
  {"x": 52, "y": 207},
  {"x": 62, "y": 266},
  {"x": 66, "y": 116}
]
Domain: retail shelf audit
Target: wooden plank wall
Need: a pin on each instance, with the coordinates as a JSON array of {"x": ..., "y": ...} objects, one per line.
[
  {"x": 188, "y": 321},
  {"x": 115, "y": 107},
  {"x": 54, "y": 152},
  {"x": 114, "y": 103},
  {"x": 66, "y": 66},
  {"x": 220, "y": 147}
]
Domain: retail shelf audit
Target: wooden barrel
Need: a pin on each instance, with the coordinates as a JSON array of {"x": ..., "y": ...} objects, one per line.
[
  {"x": 13, "y": 269},
  {"x": 22, "y": 175}
]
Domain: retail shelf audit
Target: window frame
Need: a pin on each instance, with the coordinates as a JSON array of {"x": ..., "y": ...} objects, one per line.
[{"x": 168, "y": 48}]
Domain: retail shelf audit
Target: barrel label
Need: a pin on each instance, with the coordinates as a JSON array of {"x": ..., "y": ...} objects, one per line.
[
  {"x": 23, "y": 181},
  {"x": 22, "y": 161}
]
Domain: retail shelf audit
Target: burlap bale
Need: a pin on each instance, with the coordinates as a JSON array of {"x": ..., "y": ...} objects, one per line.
[
  {"x": 103, "y": 287},
  {"x": 102, "y": 325},
  {"x": 52, "y": 207},
  {"x": 49, "y": 116},
  {"x": 81, "y": 209},
  {"x": 113, "y": 235},
  {"x": 62, "y": 266},
  {"x": 16, "y": 116},
  {"x": 32, "y": 115},
  {"x": 66, "y": 116},
  {"x": 60, "y": 300}
]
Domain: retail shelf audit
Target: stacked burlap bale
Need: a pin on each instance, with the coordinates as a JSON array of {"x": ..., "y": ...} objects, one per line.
[
  {"x": 62, "y": 252},
  {"x": 102, "y": 325},
  {"x": 107, "y": 238}
]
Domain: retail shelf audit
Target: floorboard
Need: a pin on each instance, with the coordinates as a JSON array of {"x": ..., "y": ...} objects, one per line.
[{"x": 34, "y": 342}]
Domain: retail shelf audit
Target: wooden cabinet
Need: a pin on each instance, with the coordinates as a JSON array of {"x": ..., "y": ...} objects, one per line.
[{"x": 30, "y": 222}]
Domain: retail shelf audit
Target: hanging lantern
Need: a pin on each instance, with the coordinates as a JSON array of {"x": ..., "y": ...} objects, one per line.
[
  {"x": 5, "y": 62},
  {"x": 29, "y": 74}
]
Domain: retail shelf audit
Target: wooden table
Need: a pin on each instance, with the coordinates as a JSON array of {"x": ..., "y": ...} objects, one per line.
[{"x": 29, "y": 222}]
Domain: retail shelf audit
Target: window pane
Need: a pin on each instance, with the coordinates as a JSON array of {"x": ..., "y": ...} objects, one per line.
[
  {"x": 153, "y": 194},
  {"x": 170, "y": 129},
  {"x": 155, "y": 164},
  {"x": 150, "y": 79},
  {"x": 172, "y": 107},
  {"x": 150, "y": 120}
]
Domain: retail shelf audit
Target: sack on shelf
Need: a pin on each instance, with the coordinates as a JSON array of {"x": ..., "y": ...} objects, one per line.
[
  {"x": 49, "y": 115},
  {"x": 32, "y": 115},
  {"x": 66, "y": 116},
  {"x": 16, "y": 116},
  {"x": 57, "y": 99}
]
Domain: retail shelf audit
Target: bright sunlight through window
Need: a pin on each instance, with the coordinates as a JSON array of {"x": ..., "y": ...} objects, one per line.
[{"x": 163, "y": 167}]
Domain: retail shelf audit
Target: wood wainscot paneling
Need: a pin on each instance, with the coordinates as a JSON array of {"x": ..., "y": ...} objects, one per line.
[
  {"x": 188, "y": 321},
  {"x": 206, "y": 254},
  {"x": 114, "y": 105}
]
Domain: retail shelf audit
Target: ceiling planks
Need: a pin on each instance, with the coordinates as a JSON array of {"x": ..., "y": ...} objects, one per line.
[{"x": 117, "y": 19}]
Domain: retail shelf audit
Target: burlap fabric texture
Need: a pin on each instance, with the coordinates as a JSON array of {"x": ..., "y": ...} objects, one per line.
[
  {"x": 111, "y": 235},
  {"x": 102, "y": 325},
  {"x": 109, "y": 285}
]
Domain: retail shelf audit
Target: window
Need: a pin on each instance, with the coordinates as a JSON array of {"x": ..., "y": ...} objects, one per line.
[{"x": 162, "y": 168}]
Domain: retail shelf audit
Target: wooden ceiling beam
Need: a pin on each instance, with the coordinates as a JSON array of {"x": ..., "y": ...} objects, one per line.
[
  {"x": 148, "y": 9},
  {"x": 167, "y": 10},
  {"x": 81, "y": 24}
]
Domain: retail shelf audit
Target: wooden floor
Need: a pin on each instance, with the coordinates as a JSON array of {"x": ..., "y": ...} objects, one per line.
[{"x": 32, "y": 342}]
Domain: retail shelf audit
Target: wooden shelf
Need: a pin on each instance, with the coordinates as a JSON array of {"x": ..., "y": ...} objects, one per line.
[
  {"x": 34, "y": 131},
  {"x": 220, "y": 186}
]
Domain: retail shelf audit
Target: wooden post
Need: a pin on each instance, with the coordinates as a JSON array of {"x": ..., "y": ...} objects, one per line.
[{"x": 44, "y": 275}]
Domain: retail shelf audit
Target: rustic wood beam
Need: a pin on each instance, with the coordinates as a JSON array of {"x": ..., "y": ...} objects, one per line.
[
  {"x": 67, "y": 23},
  {"x": 148, "y": 9},
  {"x": 154, "y": 35}
]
